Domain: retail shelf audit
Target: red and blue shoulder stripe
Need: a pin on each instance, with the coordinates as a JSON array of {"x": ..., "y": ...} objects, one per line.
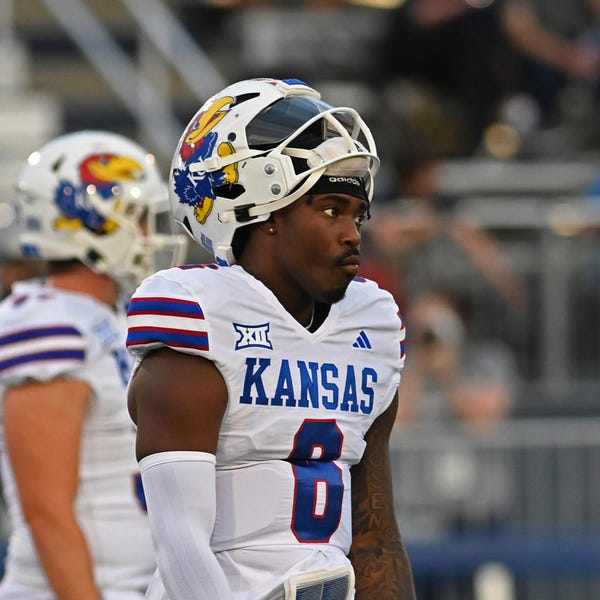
[
  {"x": 162, "y": 321},
  {"x": 41, "y": 344}
]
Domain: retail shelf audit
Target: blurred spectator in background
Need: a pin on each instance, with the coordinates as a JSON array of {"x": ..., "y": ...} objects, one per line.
[
  {"x": 559, "y": 42},
  {"x": 450, "y": 376},
  {"x": 459, "y": 49},
  {"x": 414, "y": 241},
  {"x": 461, "y": 387}
]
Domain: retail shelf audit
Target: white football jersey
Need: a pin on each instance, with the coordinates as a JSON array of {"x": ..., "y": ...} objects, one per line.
[
  {"x": 47, "y": 333},
  {"x": 299, "y": 406}
]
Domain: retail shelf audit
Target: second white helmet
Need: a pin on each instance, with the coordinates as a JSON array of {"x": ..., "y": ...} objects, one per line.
[{"x": 98, "y": 197}]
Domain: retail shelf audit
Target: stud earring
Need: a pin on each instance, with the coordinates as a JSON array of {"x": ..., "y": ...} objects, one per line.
[{"x": 271, "y": 230}]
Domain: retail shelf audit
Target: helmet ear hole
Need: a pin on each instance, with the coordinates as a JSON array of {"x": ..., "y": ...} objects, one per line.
[
  {"x": 244, "y": 98},
  {"x": 231, "y": 192},
  {"x": 186, "y": 224},
  {"x": 93, "y": 256}
]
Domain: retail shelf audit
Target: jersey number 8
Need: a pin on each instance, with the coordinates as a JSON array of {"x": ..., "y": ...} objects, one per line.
[{"x": 318, "y": 483}]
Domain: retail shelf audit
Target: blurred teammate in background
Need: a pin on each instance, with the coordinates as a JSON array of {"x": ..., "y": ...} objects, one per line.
[
  {"x": 265, "y": 388},
  {"x": 87, "y": 203}
]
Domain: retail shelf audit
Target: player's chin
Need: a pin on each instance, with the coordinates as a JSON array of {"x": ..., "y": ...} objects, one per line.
[{"x": 335, "y": 293}]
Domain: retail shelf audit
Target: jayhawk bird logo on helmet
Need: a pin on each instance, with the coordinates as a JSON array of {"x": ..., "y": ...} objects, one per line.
[
  {"x": 103, "y": 171},
  {"x": 195, "y": 189}
]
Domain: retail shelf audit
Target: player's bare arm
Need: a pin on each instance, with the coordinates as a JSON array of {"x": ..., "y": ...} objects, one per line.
[
  {"x": 380, "y": 561},
  {"x": 43, "y": 426},
  {"x": 177, "y": 401}
]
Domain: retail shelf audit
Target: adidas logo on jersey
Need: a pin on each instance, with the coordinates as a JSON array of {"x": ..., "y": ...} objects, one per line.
[{"x": 362, "y": 341}]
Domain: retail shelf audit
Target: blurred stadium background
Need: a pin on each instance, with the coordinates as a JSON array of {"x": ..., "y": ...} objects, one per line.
[{"x": 525, "y": 173}]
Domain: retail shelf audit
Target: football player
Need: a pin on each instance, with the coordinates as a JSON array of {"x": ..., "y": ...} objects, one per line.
[
  {"x": 87, "y": 203},
  {"x": 265, "y": 385}
]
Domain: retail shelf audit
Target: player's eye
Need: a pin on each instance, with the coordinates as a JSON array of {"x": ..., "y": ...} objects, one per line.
[{"x": 361, "y": 219}]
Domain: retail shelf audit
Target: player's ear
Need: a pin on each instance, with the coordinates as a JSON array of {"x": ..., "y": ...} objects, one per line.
[{"x": 269, "y": 226}]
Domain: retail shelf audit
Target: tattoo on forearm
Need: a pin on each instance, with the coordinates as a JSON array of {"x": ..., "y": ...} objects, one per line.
[
  {"x": 380, "y": 561},
  {"x": 383, "y": 574}
]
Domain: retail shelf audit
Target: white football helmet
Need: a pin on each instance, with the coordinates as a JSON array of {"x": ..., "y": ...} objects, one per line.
[
  {"x": 257, "y": 146},
  {"x": 97, "y": 197}
]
